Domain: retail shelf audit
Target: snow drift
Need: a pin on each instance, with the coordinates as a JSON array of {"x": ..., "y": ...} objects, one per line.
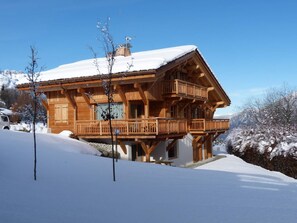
[{"x": 74, "y": 187}]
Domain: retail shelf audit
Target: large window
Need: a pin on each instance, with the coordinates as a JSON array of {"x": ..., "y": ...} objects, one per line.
[
  {"x": 61, "y": 113},
  {"x": 116, "y": 111}
]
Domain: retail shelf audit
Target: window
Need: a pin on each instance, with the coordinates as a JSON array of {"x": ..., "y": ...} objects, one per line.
[
  {"x": 116, "y": 111},
  {"x": 61, "y": 113},
  {"x": 172, "y": 152},
  {"x": 136, "y": 110},
  {"x": 173, "y": 111},
  {"x": 186, "y": 113},
  {"x": 197, "y": 112}
]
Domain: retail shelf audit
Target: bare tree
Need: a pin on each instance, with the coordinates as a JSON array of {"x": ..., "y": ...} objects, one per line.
[
  {"x": 32, "y": 75},
  {"x": 109, "y": 47},
  {"x": 278, "y": 108}
]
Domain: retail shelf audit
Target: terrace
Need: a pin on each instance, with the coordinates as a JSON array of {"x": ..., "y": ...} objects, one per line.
[{"x": 149, "y": 128}]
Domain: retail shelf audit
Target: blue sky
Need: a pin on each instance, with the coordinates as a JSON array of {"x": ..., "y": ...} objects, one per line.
[{"x": 251, "y": 45}]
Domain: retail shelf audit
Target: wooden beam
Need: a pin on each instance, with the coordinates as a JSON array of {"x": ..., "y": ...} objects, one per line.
[
  {"x": 54, "y": 85},
  {"x": 208, "y": 106},
  {"x": 84, "y": 95},
  {"x": 123, "y": 146},
  {"x": 208, "y": 147},
  {"x": 119, "y": 89},
  {"x": 145, "y": 149},
  {"x": 210, "y": 89},
  {"x": 197, "y": 139},
  {"x": 148, "y": 149},
  {"x": 186, "y": 105},
  {"x": 153, "y": 146},
  {"x": 70, "y": 100},
  {"x": 171, "y": 144},
  {"x": 206, "y": 138},
  {"x": 216, "y": 136},
  {"x": 197, "y": 149},
  {"x": 193, "y": 67},
  {"x": 141, "y": 92},
  {"x": 45, "y": 104},
  {"x": 201, "y": 75},
  {"x": 217, "y": 104}
]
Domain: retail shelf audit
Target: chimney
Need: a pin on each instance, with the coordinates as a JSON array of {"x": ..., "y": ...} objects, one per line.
[{"x": 123, "y": 50}]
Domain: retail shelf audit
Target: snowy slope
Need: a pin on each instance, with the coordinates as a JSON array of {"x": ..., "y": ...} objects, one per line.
[
  {"x": 8, "y": 78},
  {"x": 75, "y": 187}
]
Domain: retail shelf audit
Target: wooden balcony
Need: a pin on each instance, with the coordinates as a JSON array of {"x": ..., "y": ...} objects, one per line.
[
  {"x": 179, "y": 88},
  {"x": 149, "y": 128},
  {"x": 131, "y": 128},
  {"x": 201, "y": 125}
]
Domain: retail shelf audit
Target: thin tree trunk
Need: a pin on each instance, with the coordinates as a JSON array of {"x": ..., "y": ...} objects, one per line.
[
  {"x": 34, "y": 137},
  {"x": 110, "y": 127}
]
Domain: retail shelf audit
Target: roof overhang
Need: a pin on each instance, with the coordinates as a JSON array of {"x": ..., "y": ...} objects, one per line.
[{"x": 93, "y": 81}]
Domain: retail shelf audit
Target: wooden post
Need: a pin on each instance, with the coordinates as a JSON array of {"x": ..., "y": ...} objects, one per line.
[
  {"x": 195, "y": 156},
  {"x": 200, "y": 156},
  {"x": 100, "y": 127},
  {"x": 209, "y": 146},
  {"x": 197, "y": 149},
  {"x": 148, "y": 149},
  {"x": 123, "y": 146},
  {"x": 146, "y": 110}
]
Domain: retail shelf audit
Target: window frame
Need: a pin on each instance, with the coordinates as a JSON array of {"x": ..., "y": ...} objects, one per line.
[{"x": 61, "y": 114}]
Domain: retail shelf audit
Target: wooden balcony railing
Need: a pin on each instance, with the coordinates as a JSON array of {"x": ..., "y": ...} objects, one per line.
[
  {"x": 185, "y": 89},
  {"x": 202, "y": 125},
  {"x": 127, "y": 127}
]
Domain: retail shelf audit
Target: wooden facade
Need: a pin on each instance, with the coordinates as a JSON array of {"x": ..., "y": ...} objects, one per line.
[{"x": 151, "y": 106}]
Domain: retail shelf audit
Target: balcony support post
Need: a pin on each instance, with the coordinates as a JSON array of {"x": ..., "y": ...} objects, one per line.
[
  {"x": 208, "y": 146},
  {"x": 123, "y": 146},
  {"x": 148, "y": 148},
  {"x": 197, "y": 148}
]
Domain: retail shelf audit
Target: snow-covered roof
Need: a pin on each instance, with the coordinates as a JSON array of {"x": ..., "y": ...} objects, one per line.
[{"x": 139, "y": 61}]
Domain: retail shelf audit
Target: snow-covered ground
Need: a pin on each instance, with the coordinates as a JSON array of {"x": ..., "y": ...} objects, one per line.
[
  {"x": 75, "y": 187},
  {"x": 40, "y": 128}
]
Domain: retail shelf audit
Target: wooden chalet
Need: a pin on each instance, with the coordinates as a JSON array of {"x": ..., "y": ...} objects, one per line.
[{"x": 167, "y": 95}]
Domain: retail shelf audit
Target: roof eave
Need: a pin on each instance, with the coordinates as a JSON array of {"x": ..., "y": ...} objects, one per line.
[{"x": 89, "y": 79}]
